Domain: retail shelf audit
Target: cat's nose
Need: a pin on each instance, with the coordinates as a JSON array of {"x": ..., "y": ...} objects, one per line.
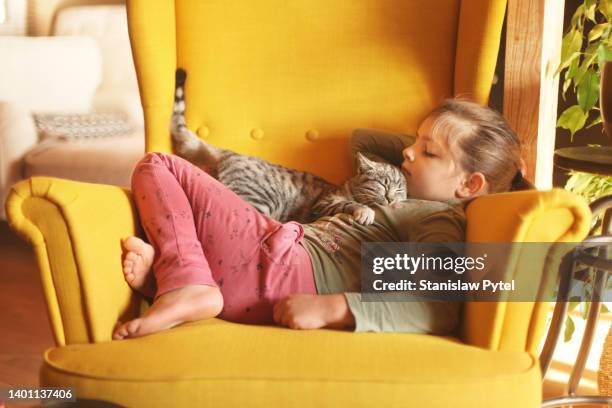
[{"x": 390, "y": 196}]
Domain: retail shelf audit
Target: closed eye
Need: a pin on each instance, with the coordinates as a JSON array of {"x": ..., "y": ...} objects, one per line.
[
  {"x": 380, "y": 184},
  {"x": 428, "y": 154}
]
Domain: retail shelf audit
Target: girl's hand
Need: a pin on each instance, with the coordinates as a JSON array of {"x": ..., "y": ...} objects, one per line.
[{"x": 300, "y": 311}]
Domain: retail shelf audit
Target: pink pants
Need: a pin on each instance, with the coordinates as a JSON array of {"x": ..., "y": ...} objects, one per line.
[{"x": 204, "y": 234}]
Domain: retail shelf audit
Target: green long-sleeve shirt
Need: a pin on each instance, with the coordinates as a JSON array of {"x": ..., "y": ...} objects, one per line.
[{"x": 334, "y": 245}]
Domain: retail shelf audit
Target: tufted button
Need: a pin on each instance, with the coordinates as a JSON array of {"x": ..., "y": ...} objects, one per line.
[
  {"x": 257, "y": 134},
  {"x": 203, "y": 132},
  {"x": 312, "y": 135}
]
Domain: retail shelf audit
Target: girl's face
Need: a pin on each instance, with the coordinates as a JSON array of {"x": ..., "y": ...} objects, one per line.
[{"x": 432, "y": 170}]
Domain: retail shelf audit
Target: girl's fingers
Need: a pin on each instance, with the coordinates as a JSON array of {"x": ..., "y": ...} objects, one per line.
[
  {"x": 283, "y": 317},
  {"x": 278, "y": 311},
  {"x": 275, "y": 312}
]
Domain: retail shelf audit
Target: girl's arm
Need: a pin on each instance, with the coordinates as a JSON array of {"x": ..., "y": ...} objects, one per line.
[
  {"x": 300, "y": 311},
  {"x": 384, "y": 144},
  {"x": 391, "y": 312},
  {"x": 341, "y": 317}
]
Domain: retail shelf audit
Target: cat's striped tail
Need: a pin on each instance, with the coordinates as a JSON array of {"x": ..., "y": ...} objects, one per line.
[
  {"x": 178, "y": 112},
  {"x": 186, "y": 143}
]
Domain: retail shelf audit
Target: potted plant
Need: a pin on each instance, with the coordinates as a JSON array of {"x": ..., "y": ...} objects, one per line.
[
  {"x": 586, "y": 62},
  {"x": 585, "y": 48}
]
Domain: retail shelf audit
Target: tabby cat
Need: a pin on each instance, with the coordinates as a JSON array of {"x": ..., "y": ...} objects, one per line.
[{"x": 283, "y": 193}]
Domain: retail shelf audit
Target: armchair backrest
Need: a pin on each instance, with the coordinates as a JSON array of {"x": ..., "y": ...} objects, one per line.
[{"x": 289, "y": 80}]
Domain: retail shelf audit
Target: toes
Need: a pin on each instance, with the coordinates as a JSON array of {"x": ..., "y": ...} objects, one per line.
[
  {"x": 128, "y": 269},
  {"x": 133, "y": 244},
  {"x": 132, "y": 327},
  {"x": 119, "y": 332},
  {"x": 132, "y": 256}
]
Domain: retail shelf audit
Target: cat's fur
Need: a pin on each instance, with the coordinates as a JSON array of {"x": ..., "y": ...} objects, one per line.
[{"x": 283, "y": 193}]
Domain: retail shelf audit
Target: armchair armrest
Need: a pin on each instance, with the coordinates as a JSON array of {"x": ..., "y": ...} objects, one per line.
[
  {"x": 17, "y": 136},
  {"x": 76, "y": 230},
  {"x": 525, "y": 216}
]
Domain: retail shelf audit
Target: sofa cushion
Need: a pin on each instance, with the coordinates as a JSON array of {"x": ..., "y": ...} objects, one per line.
[
  {"x": 79, "y": 126},
  {"x": 218, "y": 363},
  {"x": 50, "y": 73},
  {"x": 108, "y": 161}
]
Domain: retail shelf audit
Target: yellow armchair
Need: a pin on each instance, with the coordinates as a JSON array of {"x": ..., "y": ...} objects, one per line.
[{"x": 288, "y": 81}]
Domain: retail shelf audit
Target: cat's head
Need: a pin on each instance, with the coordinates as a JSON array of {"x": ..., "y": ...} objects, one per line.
[{"x": 377, "y": 182}]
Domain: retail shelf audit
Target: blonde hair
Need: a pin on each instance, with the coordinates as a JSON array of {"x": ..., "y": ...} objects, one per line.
[{"x": 487, "y": 143}]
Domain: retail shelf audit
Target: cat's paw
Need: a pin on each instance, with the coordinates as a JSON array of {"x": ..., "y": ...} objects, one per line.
[{"x": 364, "y": 215}]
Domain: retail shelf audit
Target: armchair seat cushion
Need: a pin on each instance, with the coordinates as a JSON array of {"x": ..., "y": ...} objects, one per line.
[
  {"x": 104, "y": 160},
  {"x": 218, "y": 363}
]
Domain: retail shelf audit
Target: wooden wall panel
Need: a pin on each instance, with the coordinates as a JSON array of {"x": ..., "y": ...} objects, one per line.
[{"x": 533, "y": 50}]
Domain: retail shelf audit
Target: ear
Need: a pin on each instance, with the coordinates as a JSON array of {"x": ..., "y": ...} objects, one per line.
[
  {"x": 472, "y": 185},
  {"x": 363, "y": 163}
]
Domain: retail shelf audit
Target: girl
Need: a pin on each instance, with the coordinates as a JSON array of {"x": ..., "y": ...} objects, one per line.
[{"x": 212, "y": 254}]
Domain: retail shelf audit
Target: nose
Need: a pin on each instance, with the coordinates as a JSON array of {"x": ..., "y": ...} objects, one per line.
[
  {"x": 408, "y": 154},
  {"x": 390, "y": 196}
]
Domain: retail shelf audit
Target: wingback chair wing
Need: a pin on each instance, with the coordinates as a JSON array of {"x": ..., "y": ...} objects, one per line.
[{"x": 288, "y": 80}]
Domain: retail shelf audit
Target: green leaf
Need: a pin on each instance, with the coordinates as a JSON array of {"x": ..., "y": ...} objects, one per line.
[
  {"x": 604, "y": 309},
  {"x": 577, "y": 17},
  {"x": 589, "y": 12},
  {"x": 588, "y": 90},
  {"x": 605, "y": 8},
  {"x": 595, "y": 122},
  {"x": 573, "y": 119},
  {"x": 566, "y": 84},
  {"x": 604, "y": 54},
  {"x": 572, "y": 70},
  {"x": 597, "y": 31},
  {"x": 569, "y": 184},
  {"x": 591, "y": 49},
  {"x": 569, "y": 329},
  {"x": 605, "y": 37},
  {"x": 590, "y": 56},
  {"x": 572, "y": 42},
  {"x": 573, "y": 60},
  {"x": 581, "y": 183}
]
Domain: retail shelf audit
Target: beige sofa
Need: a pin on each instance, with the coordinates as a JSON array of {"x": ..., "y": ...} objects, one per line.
[{"x": 86, "y": 65}]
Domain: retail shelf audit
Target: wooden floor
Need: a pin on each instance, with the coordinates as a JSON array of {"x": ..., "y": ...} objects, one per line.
[{"x": 25, "y": 332}]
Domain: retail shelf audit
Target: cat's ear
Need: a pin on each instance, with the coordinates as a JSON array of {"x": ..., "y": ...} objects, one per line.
[{"x": 364, "y": 164}]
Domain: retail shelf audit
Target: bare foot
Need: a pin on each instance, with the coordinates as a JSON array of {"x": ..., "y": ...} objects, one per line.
[
  {"x": 186, "y": 304},
  {"x": 137, "y": 266}
]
